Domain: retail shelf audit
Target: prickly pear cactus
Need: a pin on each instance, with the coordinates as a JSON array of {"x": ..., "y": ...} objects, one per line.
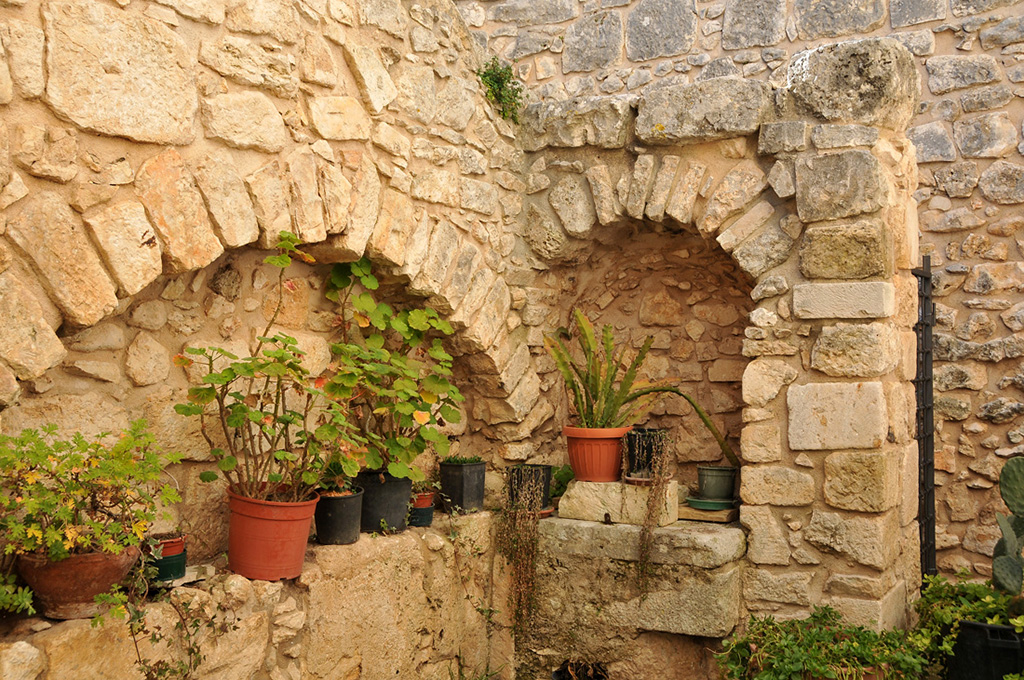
[
  {"x": 1011, "y": 485},
  {"x": 1007, "y": 564}
]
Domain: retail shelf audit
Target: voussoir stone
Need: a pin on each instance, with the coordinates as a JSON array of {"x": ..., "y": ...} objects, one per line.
[
  {"x": 845, "y": 251},
  {"x": 52, "y": 235},
  {"x": 701, "y": 112},
  {"x": 245, "y": 120},
  {"x": 572, "y": 203},
  {"x": 27, "y": 343},
  {"x": 856, "y": 350},
  {"x": 831, "y": 18},
  {"x": 128, "y": 244},
  {"x": 593, "y": 42},
  {"x": 872, "y": 82},
  {"x": 839, "y": 185},
  {"x": 150, "y": 96},
  {"x": 753, "y": 23},
  {"x": 660, "y": 28},
  {"x": 739, "y": 187},
  {"x": 836, "y": 416}
]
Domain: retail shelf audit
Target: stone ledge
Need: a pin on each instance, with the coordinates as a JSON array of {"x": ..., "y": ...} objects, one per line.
[
  {"x": 696, "y": 544},
  {"x": 618, "y": 502}
]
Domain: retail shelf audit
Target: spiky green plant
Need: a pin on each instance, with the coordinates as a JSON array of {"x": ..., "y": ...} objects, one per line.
[{"x": 1007, "y": 563}]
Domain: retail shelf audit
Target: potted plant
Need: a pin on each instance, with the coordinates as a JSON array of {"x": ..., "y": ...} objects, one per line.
[
  {"x": 462, "y": 483},
  {"x": 560, "y": 478},
  {"x": 421, "y": 514},
  {"x": 394, "y": 372},
  {"x": 643, "y": 446},
  {"x": 74, "y": 512},
  {"x": 340, "y": 509},
  {"x": 278, "y": 424},
  {"x": 530, "y": 486},
  {"x": 168, "y": 555}
]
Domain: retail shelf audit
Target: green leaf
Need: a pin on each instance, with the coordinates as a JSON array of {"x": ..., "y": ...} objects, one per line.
[
  {"x": 281, "y": 261},
  {"x": 208, "y": 476},
  {"x": 419, "y": 320},
  {"x": 227, "y": 463}
]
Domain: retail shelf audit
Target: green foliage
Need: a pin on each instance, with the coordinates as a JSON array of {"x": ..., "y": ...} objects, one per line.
[
  {"x": 276, "y": 426},
  {"x": 560, "y": 478},
  {"x": 1007, "y": 562},
  {"x": 502, "y": 88},
  {"x": 393, "y": 372},
  {"x": 60, "y": 497},
  {"x": 821, "y": 646},
  {"x": 461, "y": 460}
]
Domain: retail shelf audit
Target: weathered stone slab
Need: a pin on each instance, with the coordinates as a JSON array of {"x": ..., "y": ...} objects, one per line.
[
  {"x": 52, "y": 235},
  {"x": 371, "y": 76},
  {"x": 365, "y": 208},
  {"x": 277, "y": 18},
  {"x": 701, "y": 112},
  {"x": 128, "y": 244},
  {"x": 207, "y": 11},
  {"x": 921, "y": 43},
  {"x": 660, "y": 28},
  {"x": 416, "y": 93},
  {"x": 618, "y": 503},
  {"x": 482, "y": 197},
  {"x": 593, "y": 42},
  {"x": 49, "y": 152},
  {"x": 147, "y": 362},
  {"x": 753, "y": 23},
  {"x": 839, "y": 185},
  {"x": 854, "y": 300},
  {"x": 307, "y": 208},
  {"x": 958, "y": 219},
  {"x": 1003, "y": 182},
  {"x": 882, "y": 90},
  {"x": 663, "y": 182},
  {"x": 25, "y": 45},
  {"x": 769, "y": 247},
  {"x": 640, "y": 186},
  {"x": 766, "y": 543},
  {"x": 600, "y": 182},
  {"x": 336, "y": 192},
  {"x": 572, "y": 203},
  {"x": 270, "y": 200},
  {"x": 1006, "y": 32},
  {"x": 932, "y": 142},
  {"x": 176, "y": 209},
  {"x": 912, "y": 12},
  {"x": 961, "y": 376},
  {"x": 776, "y": 485},
  {"x": 739, "y": 187},
  {"x": 990, "y": 135},
  {"x": 994, "y": 277},
  {"x": 339, "y": 118},
  {"x": 836, "y": 416},
  {"x": 862, "y": 481},
  {"x": 226, "y": 199},
  {"x": 856, "y": 351},
  {"x": 865, "y": 540},
  {"x": 490, "y": 319},
  {"x": 436, "y": 186},
  {"x": 249, "y": 63},
  {"x": 966, "y": 7},
  {"x": 706, "y": 608},
  {"x": 764, "y": 378},
  {"x": 684, "y": 197},
  {"x": 386, "y": 15},
  {"x": 986, "y": 98},
  {"x": 763, "y": 585},
  {"x": 745, "y": 226},
  {"x": 604, "y": 122},
  {"x": 150, "y": 97},
  {"x": 845, "y": 251},
  {"x": 831, "y": 18},
  {"x": 27, "y": 343},
  {"x": 786, "y": 136},
  {"x": 245, "y": 120},
  {"x": 949, "y": 73},
  {"x": 532, "y": 12}
]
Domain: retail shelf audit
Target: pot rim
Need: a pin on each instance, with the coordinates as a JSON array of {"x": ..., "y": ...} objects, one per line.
[
  {"x": 595, "y": 432},
  {"x": 37, "y": 559},
  {"x": 276, "y": 504}
]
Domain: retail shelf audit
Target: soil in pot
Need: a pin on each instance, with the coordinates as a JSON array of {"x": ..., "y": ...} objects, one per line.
[
  {"x": 716, "y": 482},
  {"x": 266, "y": 539},
  {"x": 520, "y": 480},
  {"x": 385, "y": 499},
  {"x": 462, "y": 486},
  {"x": 595, "y": 454},
  {"x": 337, "y": 517},
  {"x": 65, "y": 589}
]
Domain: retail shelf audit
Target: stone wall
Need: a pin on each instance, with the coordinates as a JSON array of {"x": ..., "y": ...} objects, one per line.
[{"x": 968, "y": 54}]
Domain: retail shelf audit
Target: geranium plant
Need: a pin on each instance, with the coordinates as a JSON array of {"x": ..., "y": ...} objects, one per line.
[
  {"x": 394, "y": 372},
  {"x": 60, "y": 497},
  {"x": 279, "y": 425}
]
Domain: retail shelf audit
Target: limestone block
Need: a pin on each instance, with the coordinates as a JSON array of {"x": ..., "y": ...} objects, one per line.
[
  {"x": 617, "y": 503},
  {"x": 416, "y": 93},
  {"x": 786, "y": 136},
  {"x": 482, "y": 197},
  {"x": 176, "y": 209},
  {"x": 395, "y": 225},
  {"x": 769, "y": 247},
  {"x": 911, "y": 12},
  {"x": 753, "y": 23},
  {"x": 276, "y": 18},
  {"x": 572, "y": 203},
  {"x": 150, "y": 97},
  {"x": 147, "y": 362},
  {"x": 886, "y": 612},
  {"x": 386, "y": 15},
  {"x": 961, "y": 375},
  {"x": 339, "y": 118},
  {"x": 391, "y": 140},
  {"x": 948, "y": 73},
  {"x": 706, "y": 607},
  {"x": 468, "y": 261},
  {"x": 605, "y": 122},
  {"x": 6, "y": 84},
  {"x": 336, "y": 193},
  {"x": 866, "y": 540},
  {"x": 662, "y": 186},
  {"x": 1003, "y": 182},
  {"x": 846, "y": 251},
  {"x": 245, "y": 120},
  {"x": 127, "y": 243},
  {"x": 1006, "y": 32},
  {"x": 832, "y": 18},
  {"x": 441, "y": 257},
  {"x": 995, "y": 277},
  {"x": 776, "y": 485},
  {"x": 207, "y": 11},
  {"x": 249, "y": 63},
  {"x": 862, "y": 481},
  {"x": 516, "y": 407},
  {"x": 270, "y": 200},
  {"x": 490, "y": 319},
  {"x": 640, "y": 186},
  {"x": 854, "y": 300},
  {"x": 25, "y": 43},
  {"x": 436, "y": 186},
  {"x": 782, "y": 179},
  {"x": 660, "y": 28},
  {"x": 986, "y": 98},
  {"x": 990, "y": 135},
  {"x": 593, "y": 42},
  {"x": 882, "y": 93},
  {"x": 701, "y": 112},
  {"x": 46, "y": 229},
  {"x": 766, "y": 585},
  {"x": 476, "y": 293},
  {"x": 681, "y": 202},
  {"x": 763, "y": 378},
  {"x": 839, "y": 185},
  {"x": 546, "y": 237},
  {"x": 226, "y": 198},
  {"x": 365, "y": 209},
  {"x": 767, "y": 542},
  {"x": 746, "y": 225},
  {"x": 841, "y": 136},
  {"x": 761, "y": 442},
  {"x": 27, "y": 343},
  {"x": 20, "y": 661},
  {"x": 932, "y": 142},
  {"x": 738, "y": 188},
  {"x": 111, "y": 652},
  {"x": 604, "y": 197},
  {"x": 836, "y": 416},
  {"x": 856, "y": 351},
  {"x": 455, "y": 105},
  {"x": 371, "y": 76},
  {"x": 533, "y": 12},
  {"x": 49, "y": 152}
]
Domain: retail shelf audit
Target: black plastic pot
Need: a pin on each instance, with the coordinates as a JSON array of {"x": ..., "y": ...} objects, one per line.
[
  {"x": 384, "y": 504},
  {"x": 642, "y": 443},
  {"x": 985, "y": 652},
  {"x": 421, "y": 517},
  {"x": 521, "y": 476},
  {"x": 462, "y": 486},
  {"x": 579, "y": 670},
  {"x": 337, "y": 518},
  {"x": 171, "y": 567}
]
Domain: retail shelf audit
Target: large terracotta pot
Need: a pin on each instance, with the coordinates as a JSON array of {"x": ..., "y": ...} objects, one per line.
[
  {"x": 267, "y": 539},
  {"x": 65, "y": 589},
  {"x": 595, "y": 454}
]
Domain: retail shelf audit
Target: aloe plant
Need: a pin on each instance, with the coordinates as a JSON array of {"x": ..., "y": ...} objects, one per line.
[
  {"x": 604, "y": 389},
  {"x": 1007, "y": 563}
]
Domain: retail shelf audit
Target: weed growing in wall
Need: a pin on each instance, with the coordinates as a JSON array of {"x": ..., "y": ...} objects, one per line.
[{"x": 503, "y": 89}]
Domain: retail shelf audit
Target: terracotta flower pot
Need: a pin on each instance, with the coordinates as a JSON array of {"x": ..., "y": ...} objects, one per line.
[
  {"x": 65, "y": 589},
  {"x": 172, "y": 546},
  {"x": 424, "y": 500},
  {"x": 595, "y": 454},
  {"x": 266, "y": 539}
]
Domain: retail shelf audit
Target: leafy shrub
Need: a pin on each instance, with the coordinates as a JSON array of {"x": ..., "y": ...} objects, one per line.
[{"x": 502, "y": 88}]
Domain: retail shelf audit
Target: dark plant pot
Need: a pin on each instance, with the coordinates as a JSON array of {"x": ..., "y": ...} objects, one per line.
[
  {"x": 65, "y": 589},
  {"x": 643, "y": 444},
  {"x": 384, "y": 503},
  {"x": 172, "y": 567},
  {"x": 520, "y": 477},
  {"x": 421, "y": 517},
  {"x": 337, "y": 518},
  {"x": 985, "y": 652},
  {"x": 267, "y": 539},
  {"x": 716, "y": 482},
  {"x": 579, "y": 670},
  {"x": 462, "y": 486}
]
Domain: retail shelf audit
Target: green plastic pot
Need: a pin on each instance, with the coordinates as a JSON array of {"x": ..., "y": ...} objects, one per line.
[
  {"x": 172, "y": 567},
  {"x": 716, "y": 482}
]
